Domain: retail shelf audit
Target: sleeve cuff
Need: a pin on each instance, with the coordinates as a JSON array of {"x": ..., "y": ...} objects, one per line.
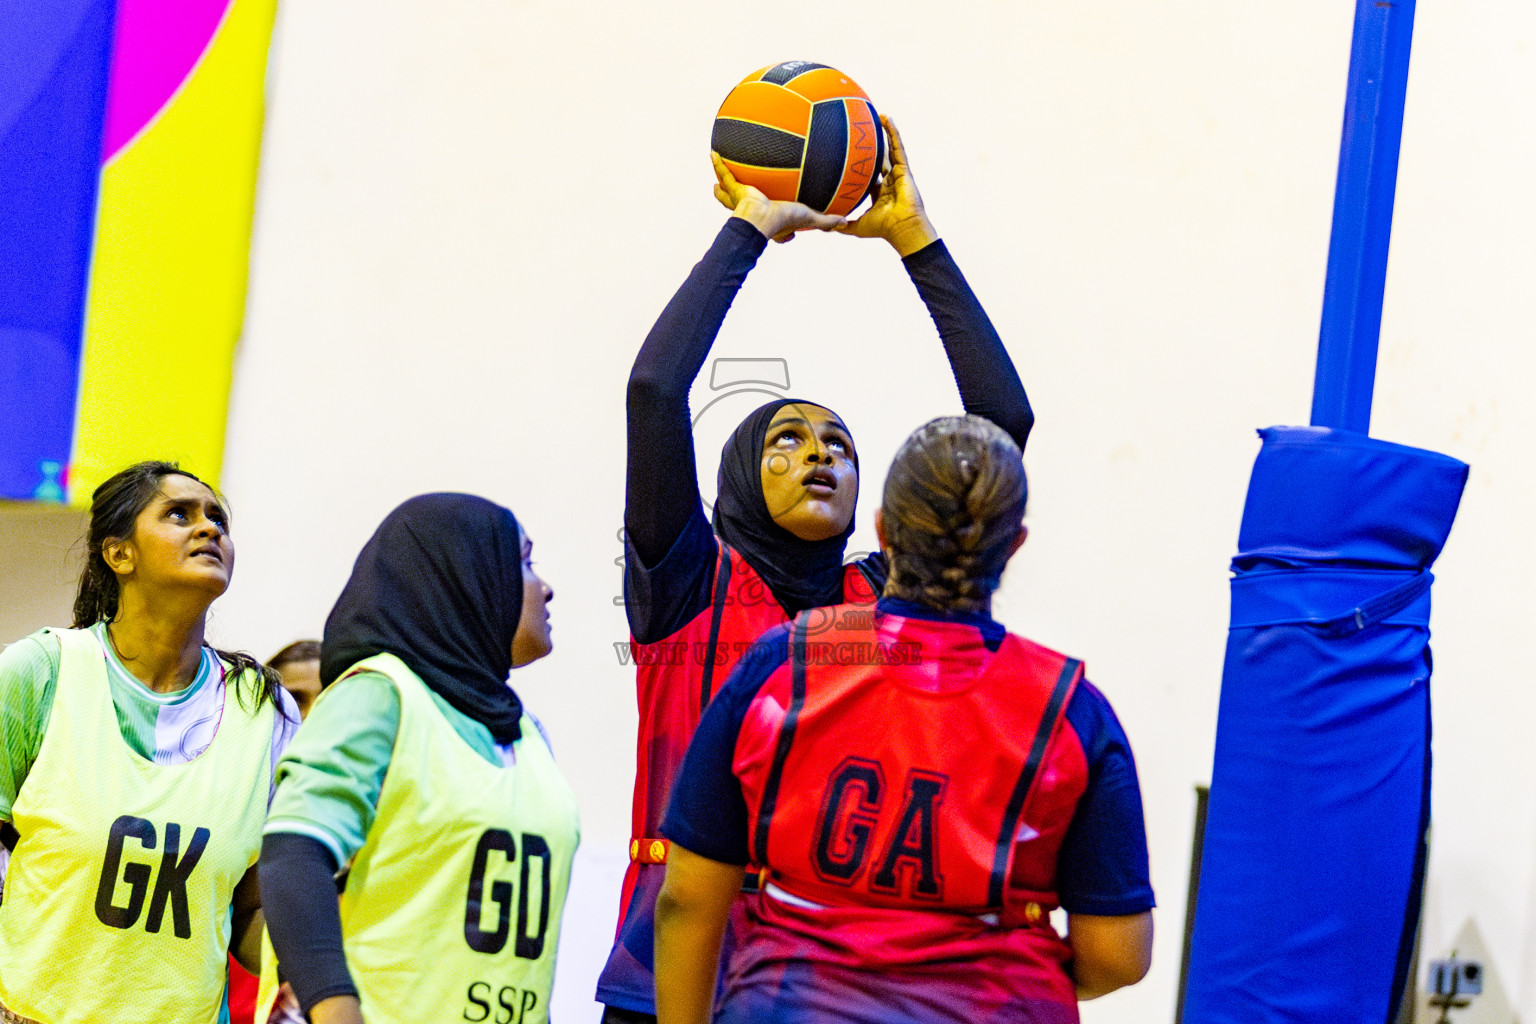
[
  {"x": 290, "y": 826},
  {"x": 678, "y": 834},
  {"x": 746, "y": 233},
  {"x": 934, "y": 252},
  {"x": 1110, "y": 906}
]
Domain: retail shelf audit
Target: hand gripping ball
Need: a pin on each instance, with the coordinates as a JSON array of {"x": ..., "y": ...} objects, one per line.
[{"x": 803, "y": 132}]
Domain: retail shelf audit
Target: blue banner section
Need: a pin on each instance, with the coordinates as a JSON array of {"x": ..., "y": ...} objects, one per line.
[
  {"x": 54, "y": 59},
  {"x": 1311, "y": 878}
]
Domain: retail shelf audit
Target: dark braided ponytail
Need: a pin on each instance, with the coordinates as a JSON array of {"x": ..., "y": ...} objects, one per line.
[
  {"x": 115, "y": 507},
  {"x": 953, "y": 504}
]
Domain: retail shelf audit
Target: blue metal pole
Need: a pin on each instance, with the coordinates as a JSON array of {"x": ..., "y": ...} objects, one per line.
[{"x": 1362, "y": 215}]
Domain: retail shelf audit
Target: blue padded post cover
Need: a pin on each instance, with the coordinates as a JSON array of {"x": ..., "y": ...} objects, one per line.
[{"x": 1313, "y": 860}]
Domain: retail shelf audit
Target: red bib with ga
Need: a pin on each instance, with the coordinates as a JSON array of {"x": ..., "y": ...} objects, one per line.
[{"x": 902, "y": 789}]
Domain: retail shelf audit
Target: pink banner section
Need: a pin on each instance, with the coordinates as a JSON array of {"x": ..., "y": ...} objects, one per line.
[{"x": 157, "y": 46}]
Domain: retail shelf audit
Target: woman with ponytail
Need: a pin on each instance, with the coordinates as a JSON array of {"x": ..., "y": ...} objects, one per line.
[
  {"x": 136, "y": 767},
  {"x": 921, "y": 790}
]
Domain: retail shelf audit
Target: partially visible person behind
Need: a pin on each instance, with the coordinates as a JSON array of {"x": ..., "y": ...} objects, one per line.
[
  {"x": 298, "y": 665},
  {"x": 922, "y": 792},
  {"x": 136, "y": 767},
  {"x": 419, "y": 771}
]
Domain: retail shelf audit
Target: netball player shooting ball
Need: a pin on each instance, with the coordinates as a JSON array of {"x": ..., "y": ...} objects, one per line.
[
  {"x": 135, "y": 768},
  {"x": 419, "y": 769},
  {"x": 922, "y": 790},
  {"x": 788, "y": 481}
]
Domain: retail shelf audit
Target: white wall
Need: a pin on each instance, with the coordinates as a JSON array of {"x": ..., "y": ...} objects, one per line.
[{"x": 471, "y": 211}]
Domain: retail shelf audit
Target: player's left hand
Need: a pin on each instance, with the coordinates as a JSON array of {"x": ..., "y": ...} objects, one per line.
[{"x": 896, "y": 214}]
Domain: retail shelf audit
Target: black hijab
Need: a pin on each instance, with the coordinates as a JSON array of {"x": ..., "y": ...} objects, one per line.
[
  {"x": 800, "y": 573},
  {"x": 440, "y": 586}
]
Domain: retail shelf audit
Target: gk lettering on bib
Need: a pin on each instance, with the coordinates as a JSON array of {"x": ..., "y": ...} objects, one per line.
[
  {"x": 118, "y": 893},
  {"x": 170, "y": 884}
]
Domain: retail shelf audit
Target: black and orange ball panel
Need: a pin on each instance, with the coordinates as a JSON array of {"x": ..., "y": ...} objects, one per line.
[{"x": 802, "y": 132}]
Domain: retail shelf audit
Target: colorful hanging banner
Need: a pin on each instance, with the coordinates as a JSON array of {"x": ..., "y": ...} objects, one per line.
[
  {"x": 54, "y": 60},
  {"x": 175, "y": 145},
  {"x": 178, "y": 188}
]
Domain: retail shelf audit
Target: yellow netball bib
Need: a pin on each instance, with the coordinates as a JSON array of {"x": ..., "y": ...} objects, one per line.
[
  {"x": 452, "y": 907},
  {"x": 117, "y": 896}
]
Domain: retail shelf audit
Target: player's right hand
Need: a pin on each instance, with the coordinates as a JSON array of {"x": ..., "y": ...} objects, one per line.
[
  {"x": 775, "y": 219},
  {"x": 897, "y": 213}
]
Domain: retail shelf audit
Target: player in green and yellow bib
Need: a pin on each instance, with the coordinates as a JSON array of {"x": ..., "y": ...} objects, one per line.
[
  {"x": 135, "y": 770},
  {"x": 419, "y": 771}
]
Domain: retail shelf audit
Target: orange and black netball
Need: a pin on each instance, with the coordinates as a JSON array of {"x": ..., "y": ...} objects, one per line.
[{"x": 802, "y": 132}]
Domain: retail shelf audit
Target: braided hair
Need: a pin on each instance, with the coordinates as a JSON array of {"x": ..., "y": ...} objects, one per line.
[
  {"x": 115, "y": 507},
  {"x": 953, "y": 506}
]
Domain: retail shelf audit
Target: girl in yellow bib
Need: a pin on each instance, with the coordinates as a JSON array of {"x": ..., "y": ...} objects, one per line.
[
  {"x": 419, "y": 771},
  {"x": 135, "y": 770}
]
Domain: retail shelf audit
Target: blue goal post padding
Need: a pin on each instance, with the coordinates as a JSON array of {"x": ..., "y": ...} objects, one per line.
[{"x": 1312, "y": 868}]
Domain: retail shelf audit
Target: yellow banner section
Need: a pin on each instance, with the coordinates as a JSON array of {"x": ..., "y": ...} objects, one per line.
[{"x": 167, "y": 289}]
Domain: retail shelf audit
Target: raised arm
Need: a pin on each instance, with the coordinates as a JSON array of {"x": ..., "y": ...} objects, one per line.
[
  {"x": 989, "y": 384},
  {"x": 661, "y": 482}
]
